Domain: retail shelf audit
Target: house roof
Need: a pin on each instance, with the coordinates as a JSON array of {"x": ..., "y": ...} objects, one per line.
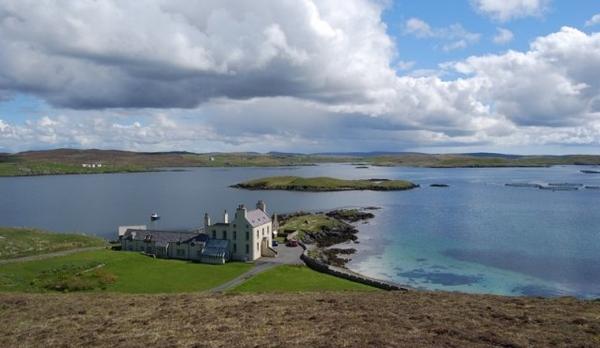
[
  {"x": 162, "y": 238},
  {"x": 257, "y": 217},
  {"x": 216, "y": 247}
]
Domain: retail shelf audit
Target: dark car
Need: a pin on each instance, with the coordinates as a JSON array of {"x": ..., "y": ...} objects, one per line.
[
  {"x": 292, "y": 243},
  {"x": 274, "y": 243}
]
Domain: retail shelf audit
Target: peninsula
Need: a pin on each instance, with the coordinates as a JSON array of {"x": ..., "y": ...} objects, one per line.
[{"x": 324, "y": 184}]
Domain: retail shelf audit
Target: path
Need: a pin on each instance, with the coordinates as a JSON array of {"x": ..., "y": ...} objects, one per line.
[
  {"x": 285, "y": 256},
  {"x": 260, "y": 267},
  {"x": 49, "y": 255}
]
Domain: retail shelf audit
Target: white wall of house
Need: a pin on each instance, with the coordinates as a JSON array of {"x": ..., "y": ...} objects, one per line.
[{"x": 245, "y": 241}]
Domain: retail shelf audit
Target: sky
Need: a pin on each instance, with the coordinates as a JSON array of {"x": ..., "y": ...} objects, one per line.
[{"x": 512, "y": 76}]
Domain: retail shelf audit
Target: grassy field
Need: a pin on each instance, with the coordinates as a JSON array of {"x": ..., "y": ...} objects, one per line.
[
  {"x": 294, "y": 278},
  {"x": 312, "y": 319},
  {"x": 69, "y": 161},
  {"x": 20, "y": 242},
  {"x": 294, "y": 183},
  {"x": 105, "y": 270}
]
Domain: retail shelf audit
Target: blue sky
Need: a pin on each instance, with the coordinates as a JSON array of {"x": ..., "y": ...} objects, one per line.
[
  {"x": 302, "y": 76},
  {"x": 441, "y": 14}
]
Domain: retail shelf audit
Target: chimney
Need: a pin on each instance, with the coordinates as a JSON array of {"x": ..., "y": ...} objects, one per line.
[
  {"x": 261, "y": 205},
  {"x": 226, "y": 217},
  {"x": 206, "y": 222},
  {"x": 241, "y": 211}
]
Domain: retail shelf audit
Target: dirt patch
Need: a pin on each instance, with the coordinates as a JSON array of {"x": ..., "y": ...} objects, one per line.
[{"x": 413, "y": 319}]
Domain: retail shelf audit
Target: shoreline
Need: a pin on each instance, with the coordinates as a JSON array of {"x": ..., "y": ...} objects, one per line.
[
  {"x": 322, "y": 250},
  {"x": 185, "y": 168}
]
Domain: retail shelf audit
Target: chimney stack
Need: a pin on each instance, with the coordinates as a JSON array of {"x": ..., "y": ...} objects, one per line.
[
  {"x": 261, "y": 205},
  {"x": 226, "y": 217},
  {"x": 206, "y": 222},
  {"x": 241, "y": 210}
]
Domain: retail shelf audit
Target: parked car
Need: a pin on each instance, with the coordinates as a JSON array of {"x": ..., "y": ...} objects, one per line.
[
  {"x": 292, "y": 243},
  {"x": 274, "y": 243}
]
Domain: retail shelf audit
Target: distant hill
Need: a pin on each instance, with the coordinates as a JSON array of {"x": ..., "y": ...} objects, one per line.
[
  {"x": 71, "y": 161},
  {"x": 366, "y": 154}
]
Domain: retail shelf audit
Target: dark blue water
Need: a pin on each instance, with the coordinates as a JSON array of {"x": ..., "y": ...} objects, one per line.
[{"x": 475, "y": 236}]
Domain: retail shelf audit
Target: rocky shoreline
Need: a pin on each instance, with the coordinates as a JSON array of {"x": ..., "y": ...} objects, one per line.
[{"x": 328, "y": 230}]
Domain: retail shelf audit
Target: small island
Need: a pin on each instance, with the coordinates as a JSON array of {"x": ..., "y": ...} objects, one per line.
[{"x": 323, "y": 184}]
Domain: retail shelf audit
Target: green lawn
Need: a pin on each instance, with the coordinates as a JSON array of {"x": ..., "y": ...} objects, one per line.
[
  {"x": 117, "y": 271},
  {"x": 318, "y": 184},
  {"x": 19, "y": 242},
  {"x": 288, "y": 278}
]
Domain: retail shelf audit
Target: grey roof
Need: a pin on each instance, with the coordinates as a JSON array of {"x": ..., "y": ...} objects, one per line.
[
  {"x": 257, "y": 217},
  {"x": 162, "y": 238},
  {"x": 216, "y": 247}
]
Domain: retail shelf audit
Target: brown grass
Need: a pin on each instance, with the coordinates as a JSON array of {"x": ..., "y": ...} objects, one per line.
[{"x": 413, "y": 319}]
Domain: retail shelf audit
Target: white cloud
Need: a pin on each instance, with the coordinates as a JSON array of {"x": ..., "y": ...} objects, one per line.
[
  {"x": 453, "y": 37},
  {"x": 405, "y": 65},
  {"x": 595, "y": 20},
  {"x": 102, "y": 54},
  {"x": 503, "y": 36},
  {"x": 418, "y": 27},
  {"x": 221, "y": 77},
  {"x": 504, "y": 10},
  {"x": 555, "y": 83}
]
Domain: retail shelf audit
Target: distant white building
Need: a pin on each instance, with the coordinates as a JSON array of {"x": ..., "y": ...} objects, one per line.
[{"x": 91, "y": 165}]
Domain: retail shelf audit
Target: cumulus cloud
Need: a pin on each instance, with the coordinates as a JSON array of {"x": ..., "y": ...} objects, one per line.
[
  {"x": 454, "y": 36},
  {"x": 555, "y": 83},
  {"x": 503, "y": 36},
  {"x": 595, "y": 20},
  {"x": 221, "y": 77},
  {"x": 102, "y": 54},
  {"x": 504, "y": 10}
]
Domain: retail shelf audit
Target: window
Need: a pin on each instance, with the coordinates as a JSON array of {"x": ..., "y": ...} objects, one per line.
[
  {"x": 234, "y": 226},
  {"x": 247, "y": 235},
  {"x": 247, "y": 249},
  {"x": 234, "y": 248},
  {"x": 256, "y": 234},
  {"x": 257, "y": 247},
  {"x": 224, "y": 234},
  {"x": 214, "y": 234},
  {"x": 234, "y": 234},
  {"x": 180, "y": 252}
]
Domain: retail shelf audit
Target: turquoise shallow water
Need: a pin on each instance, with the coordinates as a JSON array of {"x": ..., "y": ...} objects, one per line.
[{"x": 477, "y": 235}]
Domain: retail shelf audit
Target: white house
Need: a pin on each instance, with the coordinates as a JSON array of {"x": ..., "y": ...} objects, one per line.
[
  {"x": 250, "y": 233},
  {"x": 246, "y": 238}
]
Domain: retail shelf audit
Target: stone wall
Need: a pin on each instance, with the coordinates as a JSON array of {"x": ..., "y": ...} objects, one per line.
[{"x": 347, "y": 274}]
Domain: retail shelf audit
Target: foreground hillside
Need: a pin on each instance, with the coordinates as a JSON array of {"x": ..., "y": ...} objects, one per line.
[{"x": 413, "y": 319}]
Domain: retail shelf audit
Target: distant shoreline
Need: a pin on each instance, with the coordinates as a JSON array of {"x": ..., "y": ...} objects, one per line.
[{"x": 73, "y": 161}]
